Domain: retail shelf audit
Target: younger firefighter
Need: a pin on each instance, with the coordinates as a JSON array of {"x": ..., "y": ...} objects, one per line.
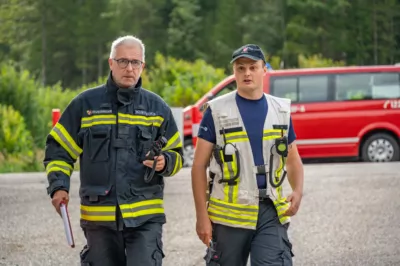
[
  {"x": 249, "y": 137},
  {"x": 127, "y": 141}
]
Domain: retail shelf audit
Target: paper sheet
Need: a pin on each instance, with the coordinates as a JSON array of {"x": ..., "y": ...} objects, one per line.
[{"x": 67, "y": 225}]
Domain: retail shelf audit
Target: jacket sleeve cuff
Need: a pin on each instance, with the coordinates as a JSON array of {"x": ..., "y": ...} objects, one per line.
[
  {"x": 167, "y": 167},
  {"x": 57, "y": 184},
  {"x": 172, "y": 166}
]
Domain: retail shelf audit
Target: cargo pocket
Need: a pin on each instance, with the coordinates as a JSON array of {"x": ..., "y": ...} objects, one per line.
[
  {"x": 84, "y": 254},
  {"x": 99, "y": 144},
  {"x": 158, "y": 254},
  {"x": 144, "y": 142},
  {"x": 287, "y": 253}
]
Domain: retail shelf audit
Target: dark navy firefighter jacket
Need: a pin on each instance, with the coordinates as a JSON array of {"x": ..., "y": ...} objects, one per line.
[{"x": 110, "y": 130}]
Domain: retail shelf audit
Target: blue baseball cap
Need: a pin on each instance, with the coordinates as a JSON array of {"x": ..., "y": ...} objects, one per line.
[{"x": 251, "y": 51}]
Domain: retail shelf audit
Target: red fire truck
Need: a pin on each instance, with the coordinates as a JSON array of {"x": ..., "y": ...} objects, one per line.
[{"x": 351, "y": 112}]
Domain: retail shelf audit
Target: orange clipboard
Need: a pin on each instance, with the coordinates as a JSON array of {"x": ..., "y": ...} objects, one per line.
[{"x": 67, "y": 225}]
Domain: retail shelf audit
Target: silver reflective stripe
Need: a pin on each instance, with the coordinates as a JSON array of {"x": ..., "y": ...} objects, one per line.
[
  {"x": 141, "y": 208},
  {"x": 98, "y": 213},
  {"x": 66, "y": 142},
  {"x": 268, "y": 134},
  {"x": 95, "y": 120},
  {"x": 212, "y": 202},
  {"x": 327, "y": 141},
  {"x": 234, "y": 137},
  {"x": 231, "y": 218}
]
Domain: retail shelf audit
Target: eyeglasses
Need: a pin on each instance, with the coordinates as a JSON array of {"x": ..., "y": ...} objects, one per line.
[{"x": 123, "y": 63}]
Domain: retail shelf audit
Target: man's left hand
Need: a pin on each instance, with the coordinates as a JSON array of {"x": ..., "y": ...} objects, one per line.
[
  {"x": 294, "y": 199},
  {"x": 160, "y": 162}
]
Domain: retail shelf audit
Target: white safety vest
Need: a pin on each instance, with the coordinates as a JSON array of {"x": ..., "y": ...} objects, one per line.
[{"x": 237, "y": 205}]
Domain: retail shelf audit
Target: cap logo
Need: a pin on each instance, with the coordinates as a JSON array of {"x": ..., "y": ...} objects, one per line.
[{"x": 245, "y": 49}]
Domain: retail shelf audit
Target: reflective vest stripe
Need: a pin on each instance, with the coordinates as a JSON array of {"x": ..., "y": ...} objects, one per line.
[
  {"x": 281, "y": 206},
  {"x": 142, "y": 208},
  {"x": 98, "y": 120},
  {"x": 98, "y": 213},
  {"x": 233, "y": 214},
  {"x": 272, "y": 134},
  {"x": 236, "y": 137},
  {"x": 61, "y": 135},
  {"x": 234, "y": 206},
  {"x": 140, "y": 120},
  {"x": 61, "y": 166}
]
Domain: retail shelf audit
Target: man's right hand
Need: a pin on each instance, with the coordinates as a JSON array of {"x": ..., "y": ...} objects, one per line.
[
  {"x": 204, "y": 229},
  {"x": 58, "y": 197}
]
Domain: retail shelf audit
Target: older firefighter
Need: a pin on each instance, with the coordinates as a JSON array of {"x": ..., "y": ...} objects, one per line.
[
  {"x": 127, "y": 141},
  {"x": 249, "y": 137}
]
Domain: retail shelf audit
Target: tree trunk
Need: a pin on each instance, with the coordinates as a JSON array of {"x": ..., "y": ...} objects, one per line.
[{"x": 44, "y": 43}]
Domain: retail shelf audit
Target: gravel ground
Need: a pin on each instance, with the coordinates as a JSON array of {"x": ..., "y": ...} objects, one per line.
[{"x": 349, "y": 215}]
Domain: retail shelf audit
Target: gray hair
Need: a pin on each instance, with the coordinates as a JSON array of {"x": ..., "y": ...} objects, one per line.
[{"x": 128, "y": 39}]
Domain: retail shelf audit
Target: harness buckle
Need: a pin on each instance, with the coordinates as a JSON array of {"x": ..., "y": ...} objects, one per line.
[
  {"x": 262, "y": 194},
  {"x": 260, "y": 169}
]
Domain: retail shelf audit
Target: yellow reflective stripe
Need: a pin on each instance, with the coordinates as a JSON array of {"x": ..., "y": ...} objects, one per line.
[
  {"x": 232, "y": 216},
  {"x": 98, "y": 120},
  {"x": 142, "y": 208},
  {"x": 98, "y": 213},
  {"x": 178, "y": 162},
  {"x": 174, "y": 142},
  {"x": 240, "y": 136},
  {"x": 140, "y": 120},
  {"x": 269, "y": 134},
  {"x": 281, "y": 206},
  {"x": 62, "y": 166},
  {"x": 61, "y": 135},
  {"x": 236, "y": 211}
]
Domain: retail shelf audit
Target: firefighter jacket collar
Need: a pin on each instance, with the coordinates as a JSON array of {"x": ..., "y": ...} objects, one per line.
[{"x": 122, "y": 95}]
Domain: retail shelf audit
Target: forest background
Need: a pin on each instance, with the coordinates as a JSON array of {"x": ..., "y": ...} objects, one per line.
[{"x": 50, "y": 50}]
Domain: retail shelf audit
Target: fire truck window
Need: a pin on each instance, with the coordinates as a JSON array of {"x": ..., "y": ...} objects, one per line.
[
  {"x": 228, "y": 88},
  {"x": 285, "y": 87},
  {"x": 385, "y": 86},
  {"x": 367, "y": 86},
  {"x": 313, "y": 88}
]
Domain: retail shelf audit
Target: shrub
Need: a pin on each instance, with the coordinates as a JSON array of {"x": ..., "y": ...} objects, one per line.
[
  {"x": 16, "y": 144},
  {"x": 180, "y": 82}
]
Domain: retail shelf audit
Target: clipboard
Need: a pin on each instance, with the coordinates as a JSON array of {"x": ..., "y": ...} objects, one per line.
[{"x": 67, "y": 225}]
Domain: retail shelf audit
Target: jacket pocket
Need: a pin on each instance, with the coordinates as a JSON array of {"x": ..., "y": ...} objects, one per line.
[
  {"x": 144, "y": 141},
  {"x": 95, "y": 160},
  {"x": 147, "y": 192},
  {"x": 99, "y": 143}
]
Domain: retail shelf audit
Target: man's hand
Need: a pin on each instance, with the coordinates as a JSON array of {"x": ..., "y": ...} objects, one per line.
[
  {"x": 58, "y": 197},
  {"x": 294, "y": 199},
  {"x": 204, "y": 230},
  {"x": 160, "y": 162}
]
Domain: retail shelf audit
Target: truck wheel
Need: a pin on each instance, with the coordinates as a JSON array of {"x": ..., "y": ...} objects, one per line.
[
  {"x": 380, "y": 147},
  {"x": 188, "y": 153}
]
